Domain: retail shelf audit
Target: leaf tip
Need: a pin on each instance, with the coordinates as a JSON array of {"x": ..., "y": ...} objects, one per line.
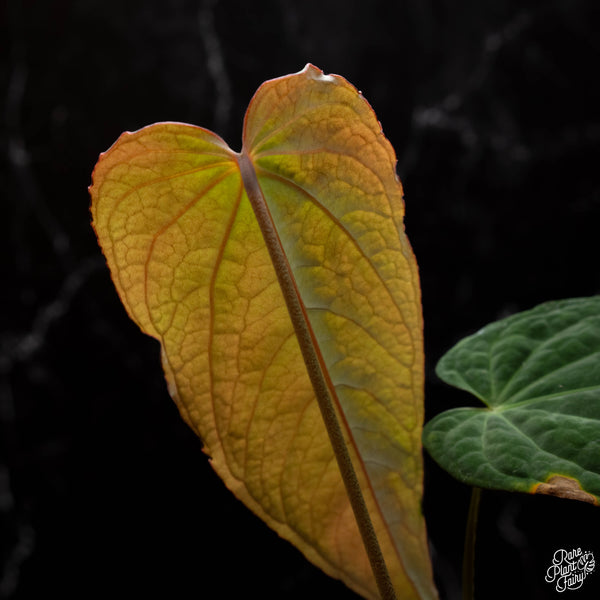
[
  {"x": 317, "y": 74},
  {"x": 564, "y": 487}
]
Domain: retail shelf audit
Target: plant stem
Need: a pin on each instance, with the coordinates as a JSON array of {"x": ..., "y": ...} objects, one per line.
[
  {"x": 468, "y": 572},
  {"x": 312, "y": 358}
]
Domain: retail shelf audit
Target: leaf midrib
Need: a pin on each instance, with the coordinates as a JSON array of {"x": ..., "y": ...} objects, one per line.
[
  {"x": 536, "y": 399},
  {"x": 322, "y": 385}
]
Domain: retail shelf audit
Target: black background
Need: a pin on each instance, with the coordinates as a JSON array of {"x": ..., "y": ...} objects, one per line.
[{"x": 493, "y": 109}]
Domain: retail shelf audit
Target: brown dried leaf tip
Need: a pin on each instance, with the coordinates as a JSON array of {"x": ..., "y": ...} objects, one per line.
[{"x": 564, "y": 487}]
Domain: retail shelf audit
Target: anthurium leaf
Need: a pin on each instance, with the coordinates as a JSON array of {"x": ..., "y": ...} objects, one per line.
[
  {"x": 206, "y": 246},
  {"x": 538, "y": 373}
]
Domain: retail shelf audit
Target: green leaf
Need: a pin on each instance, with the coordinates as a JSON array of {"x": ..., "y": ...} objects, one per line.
[{"x": 538, "y": 373}]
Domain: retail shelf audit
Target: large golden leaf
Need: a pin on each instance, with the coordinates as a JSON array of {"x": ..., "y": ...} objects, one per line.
[{"x": 264, "y": 273}]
